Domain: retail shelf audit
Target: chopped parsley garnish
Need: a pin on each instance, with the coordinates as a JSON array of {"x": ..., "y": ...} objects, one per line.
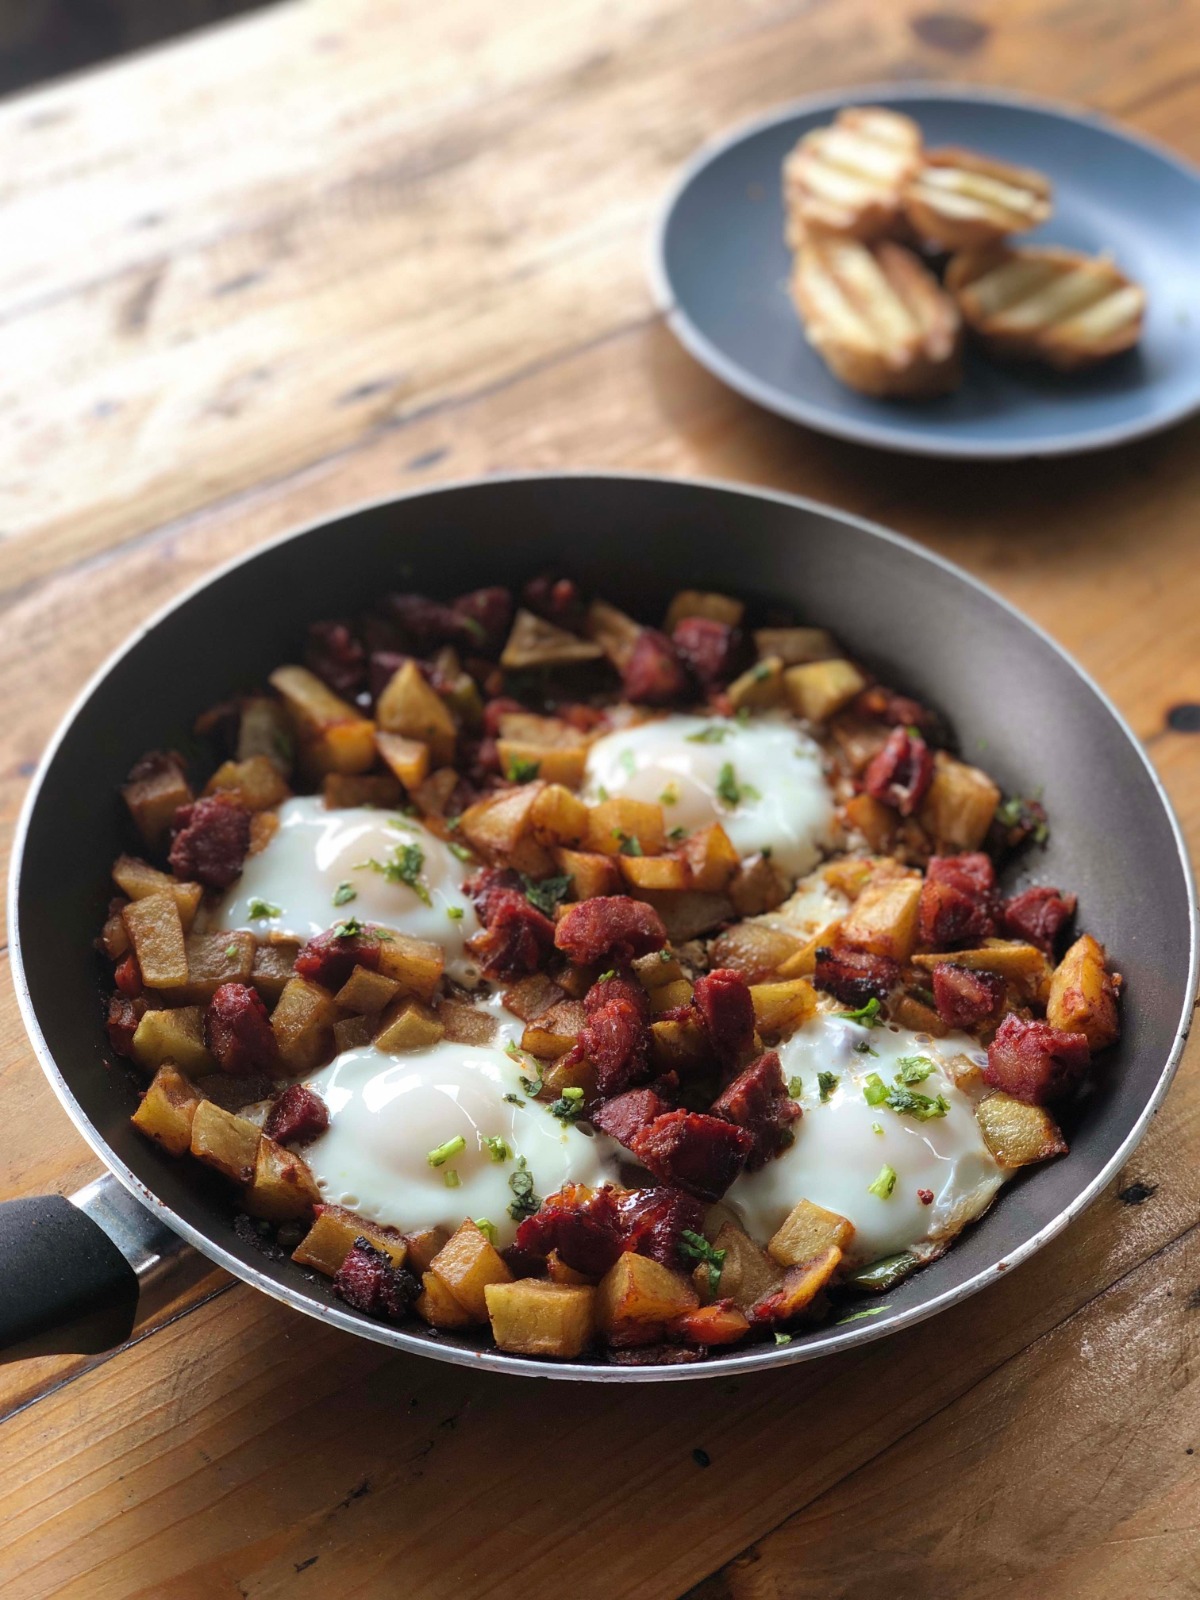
[
  {"x": 568, "y": 1105},
  {"x": 605, "y": 976},
  {"x": 344, "y": 893},
  {"x": 875, "y": 1091},
  {"x": 827, "y": 1082},
  {"x": 232, "y": 952},
  {"x": 669, "y": 796},
  {"x": 450, "y": 1178},
  {"x": 628, "y": 844},
  {"x": 487, "y": 1228},
  {"x": 857, "y": 1316},
  {"x": 713, "y": 734},
  {"x": 494, "y": 1145},
  {"x": 525, "y": 1202},
  {"x": 454, "y": 823},
  {"x": 442, "y": 1154},
  {"x": 455, "y": 913},
  {"x": 601, "y": 792},
  {"x": 864, "y": 1049},
  {"x": 695, "y": 1247},
  {"x": 1016, "y": 812},
  {"x": 795, "y": 1087},
  {"x": 628, "y": 762},
  {"x": 460, "y": 850},
  {"x": 522, "y": 771},
  {"x": 514, "y": 1099},
  {"x": 762, "y": 672},
  {"x": 866, "y": 1016},
  {"x": 877, "y": 1127},
  {"x": 730, "y": 790},
  {"x": 884, "y": 1183},
  {"x": 783, "y": 1338},
  {"x": 531, "y": 1086},
  {"x": 677, "y": 835},
  {"x": 403, "y": 866},
  {"x": 913, "y": 1069},
  {"x": 261, "y": 908},
  {"x": 548, "y": 893},
  {"x": 511, "y": 1049},
  {"x": 922, "y": 1106},
  {"x": 352, "y": 928}
]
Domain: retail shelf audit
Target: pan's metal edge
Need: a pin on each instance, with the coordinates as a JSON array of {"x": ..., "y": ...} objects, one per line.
[{"x": 424, "y": 1345}]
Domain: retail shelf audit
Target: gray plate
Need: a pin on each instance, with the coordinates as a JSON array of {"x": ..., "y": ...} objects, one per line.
[{"x": 923, "y": 624}]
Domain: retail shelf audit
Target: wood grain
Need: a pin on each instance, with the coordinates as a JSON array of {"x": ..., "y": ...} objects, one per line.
[{"x": 339, "y": 250}]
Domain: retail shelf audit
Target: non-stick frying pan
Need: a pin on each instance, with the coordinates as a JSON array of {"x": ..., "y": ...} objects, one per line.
[{"x": 70, "y": 1268}]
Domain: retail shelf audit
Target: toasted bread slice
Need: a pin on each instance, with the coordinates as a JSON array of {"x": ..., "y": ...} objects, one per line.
[
  {"x": 958, "y": 199},
  {"x": 1056, "y": 306},
  {"x": 878, "y": 317},
  {"x": 849, "y": 178}
]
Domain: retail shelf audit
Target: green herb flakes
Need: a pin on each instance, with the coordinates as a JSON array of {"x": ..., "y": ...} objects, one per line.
[
  {"x": 913, "y": 1069},
  {"x": 525, "y": 1202},
  {"x": 344, "y": 893},
  {"x": 568, "y": 1105},
  {"x": 884, "y": 1183},
  {"x": 452, "y": 1147},
  {"x": 827, "y": 1082},
  {"x": 545, "y": 894},
  {"x": 522, "y": 771},
  {"x": 695, "y": 1247},
  {"x": 866, "y": 1016},
  {"x": 404, "y": 866},
  {"x": 494, "y": 1145},
  {"x": 713, "y": 734},
  {"x": 260, "y": 908}
]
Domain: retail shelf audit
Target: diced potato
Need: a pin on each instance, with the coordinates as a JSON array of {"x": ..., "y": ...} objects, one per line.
[
  {"x": 409, "y": 706},
  {"x": 883, "y": 919},
  {"x": 559, "y": 1272},
  {"x": 803, "y": 962},
  {"x": 264, "y": 825},
  {"x": 1023, "y": 965},
  {"x": 437, "y": 1306},
  {"x": 214, "y": 959},
  {"x": 553, "y": 1033},
  {"x": 423, "y": 1245},
  {"x": 657, "y": 970},
  {"x": 654, "y": 872},
  {"x": 531, "y": 728},
  {"x": 156, "y": 934},
  {"x": 407, "y": 758},
  {"x": 303, "y": 1022},
  {"x": 255, "y": 783},
  {"x": 554, "y": 764},
  {"x": 463, "y": 1023},
  {"x": 331, "y": 1238},
  {"x": 342, "y": 789},
  {"x": 466, "y": 1264},
  {"x": 495, "y": 825},
  {"x": 754, "y": 949},
  {"x": 541, "y": 1319},
  {"x": 176, "y": 1035},
  {"x": 689, "y": 913},
  {"x": 282, "y": 1188},
  {"x": 138, "y": 879},
  {"x": 530, "y": 997},
  {"x": 702, "y": 603},
  {"x": 407, "y": 1025},
  {"x": 712, "y": 857},
  {"x": 959, "y": 805},
  {"x": 802, "y": 1284},
  {"x": 366, "y": 992},
  {"x": 331, "y": 735},
  {"x": 671, "y": 996},
  {"x": 114, "y": 941},
  {"x": 818, "y": 689},
  {"x": 678, "y": 1046},
  {"x": 435, "y": 796},
  {"x": 796, "y": 646},
  {"x": 613, "y": 631},
  {"x": 747, "y": 1273},
  {"x": 760, "y": 687},
  {"x": 1083, "y": 994},
  {"x": 154, "y": 798},
  {"x": 534, "y": 642},
  {"x": 780, "y": 1008},
  {"x": 757, "y": 886},
  {"x": 558, "y": 817},
  {"x": 272, "y": 968},
  {"x": 167, "y": 1109},
  {"x": 415, "y": 964},
  {"x": 590, "y": 873},
  {"x": 909, "y": 1012},
  {"x": 808, "y": 1231},
  {"x": 849, "y": 875},
  {"x": 876, "y": 822},
  {"x": 351, "y": 1033},
  {"x": 1018, "y": 1134},
  {"x": 264, "y": 730},
  {"x": 716, "y": 1324},
  {"x": 568, "y": 1073},
  {"x": 636, "y": 1289},
  {"x": 612, "y": 823},
  {"x": 225, "y": 1141}
]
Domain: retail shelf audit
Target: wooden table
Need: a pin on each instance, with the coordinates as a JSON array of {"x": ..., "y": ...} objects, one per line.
[{"x": 357, "y": 246}]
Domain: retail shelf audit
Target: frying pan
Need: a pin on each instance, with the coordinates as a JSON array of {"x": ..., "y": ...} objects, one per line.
[{"x": 71, "y": 1267}]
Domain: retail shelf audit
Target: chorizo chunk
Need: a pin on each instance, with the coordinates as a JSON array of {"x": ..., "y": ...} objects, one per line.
[
  {"x": 855, "y": 976},
  {"x": 609, "y": 925},
  {"x": 958, "y": 901},
  {"x": 616, "y": 1040},
  {"x": 298, "y": 1115},
  {"x": 336, "y": 656},
  {"x": 707, "y": 648},
  {"x": 1040, "y": 915},
  {"x": 623, "y": 1117},
  {"x": 237, "y": 1030},
  {"x": 758, "y": 1101},
  {"x": 1035, "y": 1062},
  {"x": 330, "y": 957},
  {"x": 901, "y": 773},
  {"x": 367, "y": 1281},
  {"x": 210, "y": 842},
  {"x": 699, "y": 1154},
  {"x": 964, "y": 997},
  {"x": 722, "y": 997},
  {"x": 654, "y": 675}
]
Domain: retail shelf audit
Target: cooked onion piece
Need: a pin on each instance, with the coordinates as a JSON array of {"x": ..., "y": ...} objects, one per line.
[
  {"x": 849, "y": 178},
  {"x": 958, "y": 199}
]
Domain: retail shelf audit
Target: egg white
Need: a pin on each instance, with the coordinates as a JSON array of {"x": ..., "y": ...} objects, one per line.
[
  {"x": 786, "y": 805},
  {"x": 842, "y": 1145},
  {"x": 314, "y": 851}
]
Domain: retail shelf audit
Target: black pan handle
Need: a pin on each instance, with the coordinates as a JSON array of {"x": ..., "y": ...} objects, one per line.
[{"x": 71, "y": 1270}]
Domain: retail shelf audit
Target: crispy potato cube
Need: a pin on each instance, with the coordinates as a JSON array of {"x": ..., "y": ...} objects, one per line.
[
  {"x": 612, "y": 823},
  {"x": 808, "y": 1231},
  {"x": 1016, "y": 1133},
  {"x": 760, "y": 687},
  {"x": 757, "y": 886},
  {"x": 407, "y": 1025},
  {"x": 803, "y": 962},
  {"x": 552, "y": 1034},
  {"x": 534, "y": 642},
  {"x": 302, "y": 1022},
  {"x": 408, "y": 705},
  {"x": 564, "y": 1073},
  {"x": 883, "y": 919},
  {"x": 747, "y": 1273},
  {"x": 495, "y": 825},
  {"x": 559, "y": 1272},
  {"x": 654, "y": 872},
  {"x": 342, "y": 789},
  {"x": 529, "y": 998},
  {"x": 1020, "y": 964},
  {"x": 434, "y": 796},
  {"x": 464, "y": 1023},
  {"x": 678, "y": 1046},
  {"x": 849, "y": 875},
  {"x": 613, "y": 631},
  {"x": 423, "y": 1245},
  {"x": 796, "y": 647},
  {"x": 154, "y": 798},
  {"x": 711, "y": 1325},
  {"x": 331, "y": 1238},
  {"x": 670, "y": 996},
  {"x": 754, "y": 949},
  {"x": 176, "y": 1035},
  {"x": 712, "y": 857},
  {"x": 331, "y": 735},
  {"x": 351, "y": 1033},
  {"x": 590, "y": 872},
  {"x": 167, "y": 1109},
  {"x": 532, "y": 1318},
  {"x": 264, "y": 730},
  {"x": 780, "y": 1008},
  {"x": 909, "y": 1012},
  {"x": 657, "y": 970},
  {"x": 407, "y": 758},
  {"x": 225, "y": 1141},
  {"x": 554, "y": 764},
  {"x": 366, "y": 992},
  {"x": 701, "y": 603},
  {"x": 214, "y": 959},
  {"x": 801, "y": 1285},
  {"x": 438, "y": 1306},
  {"x": 255, "y": 783},
  {"x": 466, "y": 1264},
  {"x": 959, "y": 806},
  {"x": 264, "y": 825},
  {"x": 156, "y": 934},
  {"x": 272, "y": 967},
  {"x": 113, "y": 939},
  {"x": 557, "y": 816},
  {"x": 636, "y": 1289},
  {"x": 531, "y": 728},
  {"x": 282, "y": 1188},
  {"x": 415, "y": 964},
  {"x": 876, "y": 822},
  {"x": 1083, "y": 994},
  {"x": 138, "y": 879},
  {"x": 688, "y": 913},
  {"x": 818, "y": 689}
]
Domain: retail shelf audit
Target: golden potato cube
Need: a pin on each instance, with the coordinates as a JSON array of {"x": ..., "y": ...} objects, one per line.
[
  {"x": 407, "y": 1025},
  {"x": 138, "y": 879},
  {"x": 224, "y": 1141},
  {"x": 883, "y": 919},
  {"x": 876, "y": 822},
  {"x": 1016, "y": 1133},
  {"x": 302, "y": 1022},
  {"x": 559, "y": 1272},
  {"x": 351, "y": 1033},
  {"x": 495, "y": 826},
  {"x": 176, "y": 1035},
  {"x": 531, "y": 858},
  {"x": 167, "y": 1109},
  {"x": 331, "y": 1238},
  {"x": 437, "y": 1306},
  {"x": 760, "y": 687},
  {"x": 282, "y": 1188},
  {"x": 423, "y": 1245},
  {"x": 465, "y": 1023},
  {"x": 803, "y": 962},
  {"x": 849, "y": 875},
  {"x": 612, "y": 630},
  {"x": 780, "y": 1008},
  {"x": 796, "y": 646},
  {"x": 466, "y": 1264},
  {"x": 747, "y": 1272},
  {"x": 754, "y": 949},
  {"x": 655, "y": 872},
  {"x": 808, "y": 1231},
  {"x": 555, "y": 1031},
  {"x": 757, "y": 886},
  {"x": 909, "y": 1012},
  {"x": 558, "y": 817},
  {"x": 264, "y": 825},
  {"x": 521, "y": 761},
  {"x": 531, "y": 997},
  {"x": 532, "y": 1318},
  {"x": 156, "y": 934},
  {"x": 366, "y": 992},
  {"x": 264, "y": 730},
  {"x": 590, "y": 872},
  {"x": 657, "y": 970},
  {"x": 272, "y": 968},
  {"x": 408, "y": 759},
  {"x": 530, "y": 727},
  {"x": 678, "y": 1046},
  {"x": 801, "y": 1285},
  {"x": 818, "y": 689},
  {"x": 566, "y": 1073},
  {"x": 636, "y": 1289},
  {"x": 408, "y": 705},
  {"x": 702, "y": 603},
  {"x": 670, "y": 996},
  {"x": 342, "y": 789},
  {"x": 534, "y": 642},
  {"x": 959, "y": 805},
  {"x": 154, "y": 798},
  {"x": 255, "y": 783},
  {"x": 114, "y": 941},
  {"x": 712, "y": 857},
  {"x": 1083, "y": 995},
  {"x": 214, "y": 959},
  {"x": 687, "y": 913},
  {"x": 331, "y": 735},
  {"x": 613, "y": 823},
  {"x": 415, "y": 964}
]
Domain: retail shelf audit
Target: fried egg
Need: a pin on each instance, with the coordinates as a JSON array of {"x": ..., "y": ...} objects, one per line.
[
  {"x": 461, "y": 1105},
  {"x": 845, "y": 1145},
  {"x": 321, "y": 866},
  {"x": 762, "y": 780}
]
